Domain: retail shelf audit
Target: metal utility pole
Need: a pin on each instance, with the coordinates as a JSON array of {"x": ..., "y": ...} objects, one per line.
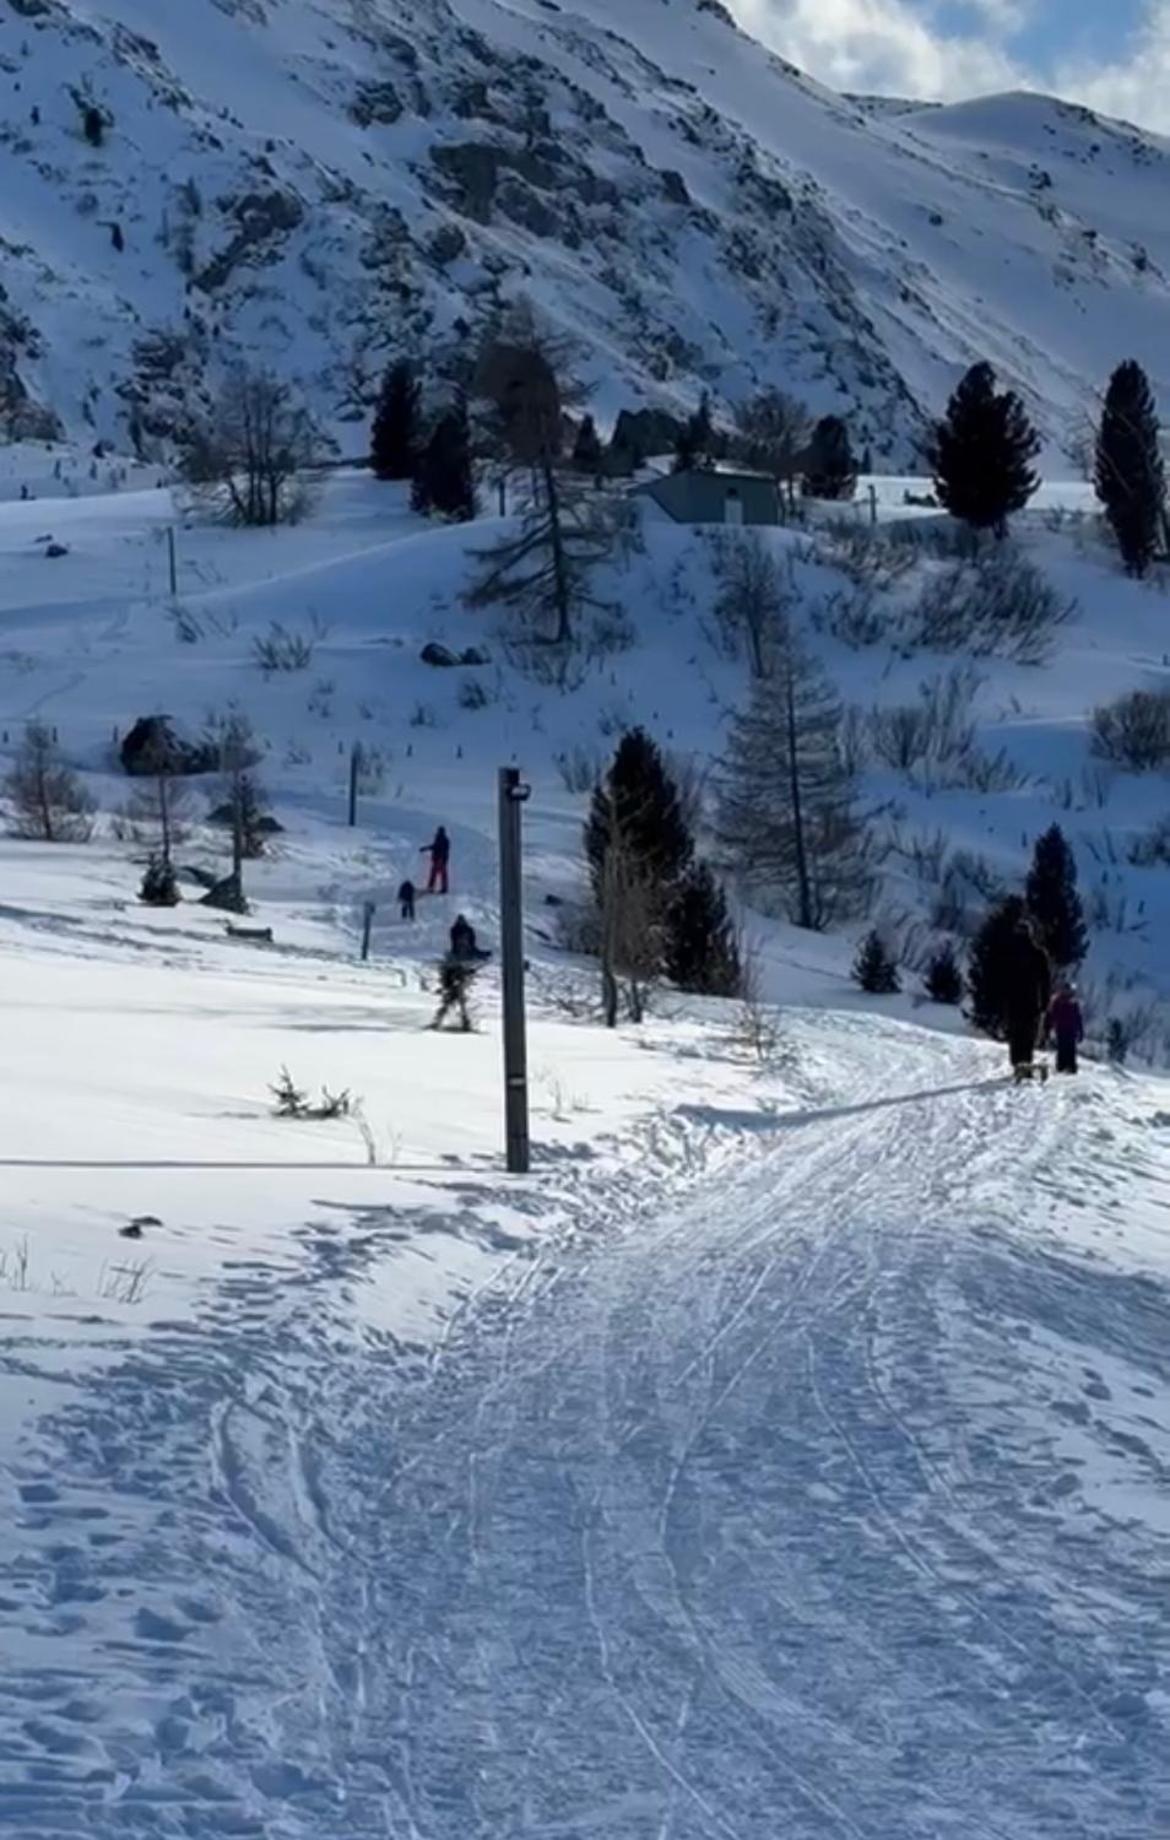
[
  {"x": 355, "y": 761},
  {"x": 513, "y": 793}
]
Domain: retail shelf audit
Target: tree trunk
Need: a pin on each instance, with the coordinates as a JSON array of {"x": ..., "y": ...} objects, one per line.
[
  {"x": 802, "y": 878},
  {"x": 564, "y": 633},
  {"x": 164, "y": 816},
  {"x": 46, "y": 808}
]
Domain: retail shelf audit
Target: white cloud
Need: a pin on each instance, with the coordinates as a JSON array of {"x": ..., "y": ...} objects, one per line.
[
  {"x": 896, "y": 47},
  {"x": 1137, "y": 86},
  {"x": 884, "y": 45}
]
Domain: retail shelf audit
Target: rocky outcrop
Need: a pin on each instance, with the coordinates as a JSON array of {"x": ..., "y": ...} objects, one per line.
[{"x": 262, "y": 218}]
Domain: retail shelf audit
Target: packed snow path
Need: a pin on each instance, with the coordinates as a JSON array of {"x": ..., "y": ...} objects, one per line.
[{"x": 818, "y": 1505}]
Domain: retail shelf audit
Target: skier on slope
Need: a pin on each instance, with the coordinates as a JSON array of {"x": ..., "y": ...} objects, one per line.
[
  {"x": 1066, "y": 1025},
  {"x": 1027, "y": 992}
]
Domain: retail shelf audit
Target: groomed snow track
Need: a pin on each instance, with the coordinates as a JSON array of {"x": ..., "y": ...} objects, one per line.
[{"x": 749, "y": 1516}]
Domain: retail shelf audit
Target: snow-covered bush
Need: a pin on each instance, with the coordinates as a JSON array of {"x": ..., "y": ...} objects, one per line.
[
  {"x": 1001, "y": 606},
  {"x": 1134, "y": 730},
  {"x": 281, "y": 650}
]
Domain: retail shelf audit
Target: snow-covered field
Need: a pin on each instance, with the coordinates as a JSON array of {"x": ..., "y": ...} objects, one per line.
[{"x": 787, "y": 1455}]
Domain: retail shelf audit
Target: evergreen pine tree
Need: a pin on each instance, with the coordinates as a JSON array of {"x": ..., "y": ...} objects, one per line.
[
  {"x": 444, "y": 481},
  {"x": 874, "y": 969},
  {"x": 587, "y": 454},
  {"x": 638, "y": 802},
  {"x": 696, "y": 441},
  {"x": 830, "y": 470},
  {"x": 1131, "y": 480},
  {"x": 989, "y": 966},
  {"x": 943, "y": 981},
  {"x": 394, "y": 439},
  {"x": 1053, "y": 902},
  {"x": 786, "y": 819},
  {"x": 701, "y": 948},
  {"x": 982, "y": 451}
]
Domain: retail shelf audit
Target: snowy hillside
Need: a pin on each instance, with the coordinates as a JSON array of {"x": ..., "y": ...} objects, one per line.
[{"x": 317, "y": 183}]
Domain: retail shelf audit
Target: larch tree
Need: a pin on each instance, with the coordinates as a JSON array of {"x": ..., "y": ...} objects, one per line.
[
  {"x": 982, "y": 453},
  {"x": 1129, "y": 472},
  {"x": 49, "y": 802},
  {"x": 786, "y": 819},
  {"x": 773, "y": 430},
  {"x": 540, "y": 575}
]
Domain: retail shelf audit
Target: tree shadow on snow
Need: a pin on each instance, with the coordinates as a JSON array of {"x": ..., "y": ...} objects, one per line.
[{"x": 735, "y": 1119}]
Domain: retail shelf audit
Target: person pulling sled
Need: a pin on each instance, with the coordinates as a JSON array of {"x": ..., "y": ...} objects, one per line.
[{"x": 1027, "y": 994}]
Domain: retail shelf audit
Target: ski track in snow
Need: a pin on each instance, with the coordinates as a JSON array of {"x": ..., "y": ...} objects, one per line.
[{"x": 737, "y": 1512}]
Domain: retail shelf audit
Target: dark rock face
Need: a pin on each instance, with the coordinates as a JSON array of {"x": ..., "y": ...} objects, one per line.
[
  {"x": 263, "y": 218},
  {"x": 152, "y": 746},
  {"x": 375, "y": 103}
]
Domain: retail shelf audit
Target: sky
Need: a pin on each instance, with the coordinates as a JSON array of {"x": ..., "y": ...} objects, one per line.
[{"x": 1112, "y": 54}]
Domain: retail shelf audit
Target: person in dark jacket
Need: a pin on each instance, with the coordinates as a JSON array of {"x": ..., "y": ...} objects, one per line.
[
  {"x": 439, "y": 851},
  {"x": 1066, "y": 1025},
  {"x": 1027, "y": 993},
  {"x": 406, "y": 895},
  {"x": 455, "y": 981},
  {"x": 465, "y": 947}
]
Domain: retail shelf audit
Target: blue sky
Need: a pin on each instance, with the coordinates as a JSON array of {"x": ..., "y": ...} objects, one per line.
[{"x": 1112, "y": 54}]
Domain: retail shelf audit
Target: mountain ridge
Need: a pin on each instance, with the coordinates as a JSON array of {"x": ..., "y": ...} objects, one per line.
[{"x": 314, "y": 187}]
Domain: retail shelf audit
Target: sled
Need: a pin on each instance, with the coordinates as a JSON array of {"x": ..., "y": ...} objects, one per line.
[{"x": 1030, "y": 1070}]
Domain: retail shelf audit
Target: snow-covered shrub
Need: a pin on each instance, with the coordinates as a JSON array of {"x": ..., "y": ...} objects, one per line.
[
  {"x": 867, "y": 556},
  {"x": 852, "y": 616},
  {"x": 1152, "y": 848},
  {"x": 281, "y": 650},
  {"x": 938, "y": 728},
  {"x": 579, "y": 768},
  {"x": 967, "y": 886},
  {"x": 1000, "y": 606},
  {"x": 1134, "y": 730}
]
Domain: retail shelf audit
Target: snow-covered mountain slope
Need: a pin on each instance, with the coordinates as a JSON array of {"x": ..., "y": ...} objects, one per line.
[{"x": 313, "y": 184}]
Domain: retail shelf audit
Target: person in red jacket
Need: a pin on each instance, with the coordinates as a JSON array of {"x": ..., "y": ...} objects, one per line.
[
  {"x": 1066, "y": 1025},
  {"x": 439, "y": 851}
]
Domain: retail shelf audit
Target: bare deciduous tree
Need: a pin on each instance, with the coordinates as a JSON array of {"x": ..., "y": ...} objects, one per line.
[
  {"x": 754, "y": 591},
  {"x": 773, "y": 434},
  {"x": 49, "y": 802},
  {"x": 631, "y": 917},
  {"x": 249, "y": 453}
]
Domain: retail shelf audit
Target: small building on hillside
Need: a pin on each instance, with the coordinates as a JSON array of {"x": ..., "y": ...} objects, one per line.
[{"x": 719, "y": 494}]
